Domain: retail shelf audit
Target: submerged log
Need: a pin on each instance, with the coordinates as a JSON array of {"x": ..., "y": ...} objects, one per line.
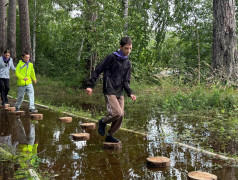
[
  {"x": 81, "y": 136},
  {"x": 198, "y": 175},
  {"x": 88, "y": 126},
  {"x": 110, "y": 145},
  {"x": 36, "y": 116},
  {"x": 66, "y": 119},
  {"x": 158, "y": 162}
]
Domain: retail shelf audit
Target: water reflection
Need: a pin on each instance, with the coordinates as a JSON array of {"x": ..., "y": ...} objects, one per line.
[
  {"x": 27, "y": 143},
  {"x": 68, "y": 159},
  {"x": 80, "y": 144},
  {"x": 6, "y": 132}
]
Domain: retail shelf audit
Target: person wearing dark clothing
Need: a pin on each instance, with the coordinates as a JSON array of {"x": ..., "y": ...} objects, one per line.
[
  {"x": 116, "y": 69},
  {"x": 6, "y": 63}
]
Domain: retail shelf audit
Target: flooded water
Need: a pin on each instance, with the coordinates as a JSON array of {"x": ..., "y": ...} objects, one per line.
[{"x": 63, "y": 158}]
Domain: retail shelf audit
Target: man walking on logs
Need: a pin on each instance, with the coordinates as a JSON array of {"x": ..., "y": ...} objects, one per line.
[{"x": 116, "y": 68}]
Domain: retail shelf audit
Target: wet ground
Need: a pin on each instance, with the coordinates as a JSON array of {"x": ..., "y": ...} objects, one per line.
[{"x": 63, "y": 158}]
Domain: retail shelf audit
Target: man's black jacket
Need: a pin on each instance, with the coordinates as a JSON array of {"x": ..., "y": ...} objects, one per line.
[{"x": 116, "y": 75}]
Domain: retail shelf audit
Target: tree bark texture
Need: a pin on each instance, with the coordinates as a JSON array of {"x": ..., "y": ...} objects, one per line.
[
  {"x": 2, "y": 26},
  {"x": 24, "y": 26},
  {"x": 125, "y": 15},
  {"x": 34, "y": 35},
  {"x": 11, "y": 32},
  {"x": 92, "y": 17},
  {"x": 224, "y": 57}
]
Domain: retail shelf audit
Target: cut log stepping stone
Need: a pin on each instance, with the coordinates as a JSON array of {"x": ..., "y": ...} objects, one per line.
[
  {"x": 88, "y": 126},
  {"x": 19, "y": 113},
  {"x": 66, "y": 119},
  {"x": 10, "y": 109},
  {"x": 6, "y": 106},
  {"x": 158, "y": 162},
  {"x": 111, "y": 145},
  {"x": 36, "y": 116},
  {"x": 199, "y": 175},
  {"x": 81, "y": 136}
]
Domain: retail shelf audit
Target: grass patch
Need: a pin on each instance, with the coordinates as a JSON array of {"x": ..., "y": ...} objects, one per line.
[{"x": 167, "y": 95}]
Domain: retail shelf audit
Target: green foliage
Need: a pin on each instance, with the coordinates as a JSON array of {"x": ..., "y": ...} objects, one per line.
[
  {"x": 6, "y": 153},
  {"x": 198, "y": 98}
]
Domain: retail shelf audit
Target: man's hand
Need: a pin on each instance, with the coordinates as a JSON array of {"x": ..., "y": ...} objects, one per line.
[
  {"x": 133, "y": 97},
  {"x": 89, "y": 91},
  {"x": 35, "y": 82},
  {"x": 25, "y": 79}
]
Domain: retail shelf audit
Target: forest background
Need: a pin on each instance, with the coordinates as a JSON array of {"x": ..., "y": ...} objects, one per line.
[{"x": 69, "y": 38}]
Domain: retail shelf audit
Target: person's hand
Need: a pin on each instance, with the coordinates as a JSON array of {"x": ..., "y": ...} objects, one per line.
[
  {"x": 25, "y": 79},
  {"x": 133, "y": 97},
  {"x": 89, "y": 91},
  {"x": 35, "y": 82}
]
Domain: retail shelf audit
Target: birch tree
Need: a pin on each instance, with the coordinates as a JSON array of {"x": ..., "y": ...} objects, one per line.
[{"x": 125, "y": 15}]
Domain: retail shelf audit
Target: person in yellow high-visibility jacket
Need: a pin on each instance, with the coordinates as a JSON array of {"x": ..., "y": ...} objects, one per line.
[{"x": 25, "y": 75}]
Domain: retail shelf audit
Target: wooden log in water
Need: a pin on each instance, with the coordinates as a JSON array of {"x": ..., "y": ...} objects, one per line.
[
  {"x": 19, "y": 113},
  {"x": 158, "y": 162},
  {"x": 110, "y": 145},
  {"x": 81, "y": 136},
  {"x": 199, "y": 175},
  {"x": 66, "y": 119},
  {"x": 6, "y": 106},
  {"x": 88, "y": 126},
  {"x": 36, "y": 116},
  {"x": 235, "y": 160},
  {"x": 10, "y": 109}
]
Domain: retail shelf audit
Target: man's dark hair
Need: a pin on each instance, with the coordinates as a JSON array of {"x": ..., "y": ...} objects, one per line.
[
  {"x": 125, "y": 40},
  {"x": 25, "y": 53}
]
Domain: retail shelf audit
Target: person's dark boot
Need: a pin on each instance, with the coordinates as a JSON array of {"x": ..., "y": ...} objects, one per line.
[
  {"x": 101, "y": 127},
  {"x": 110, "y": 138},
  {"x": 3, "y": 103}
]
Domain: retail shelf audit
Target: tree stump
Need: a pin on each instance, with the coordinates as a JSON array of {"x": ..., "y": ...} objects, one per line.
[
  {"x": 158, "y": 162},
  {"x": 88, "y": 126},
  {"x": 198, "y": 175},
  {"x": 110, "y": 145},
  {"x": 10, "y": 109},
  {"x": 81, "y": 136},
  {"x": 19, "y": 113},
  {"x": 36, "y": 116},
  {"x": 66, "y": 119}
]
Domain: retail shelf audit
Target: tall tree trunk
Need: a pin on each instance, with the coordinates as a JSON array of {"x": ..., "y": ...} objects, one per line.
[
  {"x": 80, "y": 49},
  {"x": 125, "y": 15},
  {"x": 91, "y": 16},
  {"x": 11, "y": 33},
  {"x": 34, "y": 35},
  {"x": 198, "y": 51},
  {"x": 2, "y": 26},
  {"x": 224, "y": 57},
  {"x": 24, "y": 26}
]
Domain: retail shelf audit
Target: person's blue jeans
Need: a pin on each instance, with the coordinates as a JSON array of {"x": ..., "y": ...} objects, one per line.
[{"x": 29, "y": 90}]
